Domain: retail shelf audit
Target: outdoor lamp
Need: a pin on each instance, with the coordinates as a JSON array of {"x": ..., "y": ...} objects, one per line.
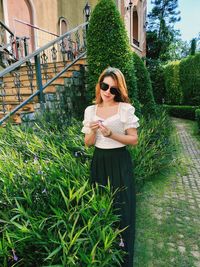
[
  {"x": 87, "y": 10},
  {"x": 130, "y": 4}
]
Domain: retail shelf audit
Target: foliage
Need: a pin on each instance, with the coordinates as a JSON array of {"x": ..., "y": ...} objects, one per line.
[
  {"x": 161, "y": 33},
  {"x": 174, "y": 93},
  {"x": 155, "y": 148},
  {"x": 145, "y": 92},
  {"x": 50, "y": 216},
  {"x": 108, "y": 45},
  {"x": 178, "y": 49},
  {"x": 156, "y": 71},
  {"x": 198, "y": 42},
  {"x": 190, "y": 79},
  {"x": 193, "y": 46},
  {"x": 197, "y": 117},
  {"x": 185, "y": 112}
]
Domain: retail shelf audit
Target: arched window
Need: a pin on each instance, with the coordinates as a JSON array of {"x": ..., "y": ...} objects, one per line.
[
  {"x": 135, "y": 28},
  {"x": 63, "y": 25}
]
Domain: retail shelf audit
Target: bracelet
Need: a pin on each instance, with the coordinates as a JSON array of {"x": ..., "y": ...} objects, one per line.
[{"x": 108, "y": 135}]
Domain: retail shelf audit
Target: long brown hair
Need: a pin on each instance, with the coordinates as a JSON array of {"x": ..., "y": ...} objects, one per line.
[{"x": 118, "y": 76}]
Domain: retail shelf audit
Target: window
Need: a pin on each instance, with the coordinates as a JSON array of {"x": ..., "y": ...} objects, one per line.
[
  {"x": 63, "y": 26},
  {"x": 135, "y": 28}
]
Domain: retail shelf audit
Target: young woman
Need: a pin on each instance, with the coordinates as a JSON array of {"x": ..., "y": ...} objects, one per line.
[{"x": 110, "y": 125}]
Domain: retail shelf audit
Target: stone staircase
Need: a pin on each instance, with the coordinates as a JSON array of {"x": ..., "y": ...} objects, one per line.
[{"x": 15, "y": 93}]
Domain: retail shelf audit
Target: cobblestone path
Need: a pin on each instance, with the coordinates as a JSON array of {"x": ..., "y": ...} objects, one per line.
[
  {"x": 189, "y": 193},
  {"x": 171, "y": 235},
  {"x": 187, "y": 189}
]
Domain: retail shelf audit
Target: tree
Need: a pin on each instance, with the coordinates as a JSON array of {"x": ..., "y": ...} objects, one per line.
[
  {"x": 178, "y": 49},
  {"x": 161, "y": 31},
  {"x": 193, "y": 46},
  {"x": 145, "y": 93},
  {"x": 108, "y": 45},
  {"x": 198, "y": 43}
]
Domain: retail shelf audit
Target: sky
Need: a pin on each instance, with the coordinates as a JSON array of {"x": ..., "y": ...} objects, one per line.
[{"x": 189, "y": 25}]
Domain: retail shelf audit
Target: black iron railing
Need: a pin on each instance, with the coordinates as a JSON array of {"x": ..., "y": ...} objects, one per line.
[
  {"x": 12, "y": 48},
  {"x": 60, "y": 53}
]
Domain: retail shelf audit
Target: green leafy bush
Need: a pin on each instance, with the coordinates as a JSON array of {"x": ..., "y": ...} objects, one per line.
[
  {"x": 155, "y": 148},
  {"x": 184, "y": 112},
  {"x": 50, "y": 216},
  {"x": 108, "y": 45},
  {"x": 145, "y": 92},
  {"x": 156, "y": 71},
  {"x": 174, "y": 94},
  {"x": 190, "y": 79},
  {"x": 197, "y": 117}
]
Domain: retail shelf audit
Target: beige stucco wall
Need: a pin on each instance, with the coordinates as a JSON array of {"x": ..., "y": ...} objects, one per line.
[
  {"x": 1, "y": 10},
  {"x": 72, "y": 11},
  {"x": 46, "y": 15},
  {"x": 140, "y": 7}
]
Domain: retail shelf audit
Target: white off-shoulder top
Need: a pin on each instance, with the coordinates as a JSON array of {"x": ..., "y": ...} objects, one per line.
[{"x": 124, "y": 119}]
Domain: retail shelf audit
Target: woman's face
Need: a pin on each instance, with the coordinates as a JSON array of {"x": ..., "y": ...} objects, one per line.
[{"x": 106, "y": 95}]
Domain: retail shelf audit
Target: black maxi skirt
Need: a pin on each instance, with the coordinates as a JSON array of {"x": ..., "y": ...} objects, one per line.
[{"x": 116, "y": 165}]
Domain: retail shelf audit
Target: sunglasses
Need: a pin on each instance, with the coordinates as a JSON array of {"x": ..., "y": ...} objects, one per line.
[{"x": 105, "y": 86}]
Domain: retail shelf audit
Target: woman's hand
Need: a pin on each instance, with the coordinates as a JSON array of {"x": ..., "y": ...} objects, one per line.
[
  {"x": 91, "y": 137},
  {"x": 94, "y": 125},
  {"x": 104, "y": 130}
]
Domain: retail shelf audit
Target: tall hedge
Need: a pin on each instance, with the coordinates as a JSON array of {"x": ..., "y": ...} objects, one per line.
[
  {"x": 174, "y": 94},
  {"x": 190, "y": 79},
  {"x": 156, "y": 71},
  {"x": 144, "y": 87},
  {"x": 108, "y": 45}
]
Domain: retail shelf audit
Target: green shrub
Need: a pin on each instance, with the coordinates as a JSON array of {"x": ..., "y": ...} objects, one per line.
[
  {"x": 145, "y": 93},
  {"x": 197, "y": 117},
  {"x": 155, "y": 148},
  {"x": 108, "y": 45},
  {"x": 190, "y": 79},
  {"x": 174, "y": 94},
  {"x": 156, "y": 71},
  {"x": 50, "y": 216},
  {"x": 184, "y": 112}
]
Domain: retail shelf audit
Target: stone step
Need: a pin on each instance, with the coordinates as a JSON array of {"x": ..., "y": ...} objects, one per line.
[
  {"x": 27, "y": 91},
  {"x": 28, "y": 108},
  {"x": 14, "y": 100},
  {"x": 50, "y": 68},
  {"x": 10, "y": 99},
  {"x": 9, "y": 80}
]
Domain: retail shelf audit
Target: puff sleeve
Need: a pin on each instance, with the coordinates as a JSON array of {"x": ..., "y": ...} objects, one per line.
[
  {"x": 129, "y": 118},
  {"x": 88, "y": 114}
]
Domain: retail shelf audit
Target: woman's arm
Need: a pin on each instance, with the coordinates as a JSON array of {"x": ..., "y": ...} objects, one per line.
[
  {"x": 91, "y": 137},
  {"x": 131, "y": 137}
]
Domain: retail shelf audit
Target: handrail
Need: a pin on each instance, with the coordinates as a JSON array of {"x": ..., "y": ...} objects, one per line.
[
  {"x": 11, "y": 47},
  {"x": 2, "y": 24},
  {"x": 25, "y": 59},
  {"x": 38, "y": 91},
  {"x": 61, "y": 52},
  {"x": 35, "y": 27}
]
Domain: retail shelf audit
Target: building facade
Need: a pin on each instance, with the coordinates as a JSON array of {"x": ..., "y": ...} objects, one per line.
[{"x": 42, "y": 21}]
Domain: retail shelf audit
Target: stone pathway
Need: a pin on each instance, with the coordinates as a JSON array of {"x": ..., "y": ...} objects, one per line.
[
  {"x": 172, "y": 238},
  {"x": 187, "y": 188}
]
